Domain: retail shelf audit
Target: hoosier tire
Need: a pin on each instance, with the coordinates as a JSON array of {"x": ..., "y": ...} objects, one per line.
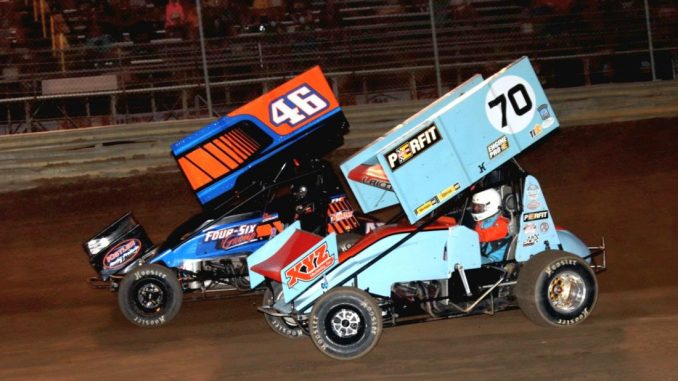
[
  {"x": 286, "y": 327},
  {"x": 150, "y": 295},
  {"x": 556, "y": 289},
  {"x": 345, "y": 323}
]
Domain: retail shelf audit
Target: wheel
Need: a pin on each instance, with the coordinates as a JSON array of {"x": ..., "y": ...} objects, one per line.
[
  {"x": 556, "y": 289},
  {"x": 345, "y": 323},
  {"x": 150, "y": 295},
  {"x": 286, "y": 327}
]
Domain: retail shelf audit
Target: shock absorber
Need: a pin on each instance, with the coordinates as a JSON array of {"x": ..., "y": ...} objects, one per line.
[{"x": 462, "y": 275}]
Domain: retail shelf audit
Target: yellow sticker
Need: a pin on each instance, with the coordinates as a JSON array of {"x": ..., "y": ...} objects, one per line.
[
  {"x": 425, "y": 206},
  {"x": 447, "y": 192}
]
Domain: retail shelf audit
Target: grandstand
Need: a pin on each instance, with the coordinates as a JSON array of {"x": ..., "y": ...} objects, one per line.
[{"x": 75, "y": 63}]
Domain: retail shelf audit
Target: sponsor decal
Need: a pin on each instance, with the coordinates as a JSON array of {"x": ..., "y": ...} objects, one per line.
[
  {"x": 532, "y": 191},
  {"x": 122, "y": 254},
  {"x": 545, "y": 115},
  {"x": 498, "y": 146},
  {"x": 376, "y": 183},
  {"x": 540, "y": 215},
  {"x": 440, "y": 197},
  {"x": 242, "y": 230},
  {"x": 309, "y": 267},
  {"x": 481, "y": 167},
  {"x": 544, "y": 227},
  {"x": 236, "y": 240},
  {"x": 530, "y": 228},
  {"x": 426, "y": 206},
  {"x": 531, "y": 240},
  {"x": 419, "y": 143},
  {"x": 341, "y": 216},
  {"x": 372, "y": 226},
  {"x": 449, "y": 191},
  {"x": 536, "y": 131},
  {"x": 534, "y": 204}
]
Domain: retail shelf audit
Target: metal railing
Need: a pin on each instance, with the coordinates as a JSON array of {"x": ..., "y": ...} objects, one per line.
[{"x": 372, "y": 58}]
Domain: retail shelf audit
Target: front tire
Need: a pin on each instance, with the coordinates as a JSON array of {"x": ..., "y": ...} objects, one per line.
[
  {"x": 285, "y": 327},
  {"x": 150, "y": 295},
  {"x": 346, "y": 323},
  {"x": 556, "y": 289}
]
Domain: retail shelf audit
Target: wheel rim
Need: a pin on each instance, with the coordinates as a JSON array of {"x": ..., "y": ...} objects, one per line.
[
  {"x": 567, "y": 292},
  {"x": 288, "y": 320},
  {"x": 346, "y": 323},
  {"x": 150, "y": 297}
]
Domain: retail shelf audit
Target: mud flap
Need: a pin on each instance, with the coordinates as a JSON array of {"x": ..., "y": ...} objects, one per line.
[{"x": 266, "y": 252}]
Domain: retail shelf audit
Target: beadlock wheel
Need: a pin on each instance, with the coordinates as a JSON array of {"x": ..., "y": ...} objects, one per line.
[
  {"x": 150, "y": 295},
  {"x": 567, "y": 292},
  {"x": 345, "y": 323},
  {"x": 556, "y": 289}
]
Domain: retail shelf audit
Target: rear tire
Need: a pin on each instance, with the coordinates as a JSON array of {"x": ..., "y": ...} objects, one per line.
[
  {"x": 346, "y": 323},
  {"x": 285, "y": 327},
  {"x": 556, "y": 289},
  {"x": 150, "y": 296}
]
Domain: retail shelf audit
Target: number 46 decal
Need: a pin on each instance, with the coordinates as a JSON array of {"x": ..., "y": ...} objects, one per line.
[
  {"x": 510, "y": 103},
  {"x": 297, "y": 106}
]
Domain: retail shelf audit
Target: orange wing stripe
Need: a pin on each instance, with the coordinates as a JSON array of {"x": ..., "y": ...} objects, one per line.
[
  {"x": 237, "y": 144},
  {"x": 195, "y": 176},
  {"x": 228, "y": 150},
  {"x": 219, "y": 154},
  {"x": 207, "y": 163},
  {"x": 241, "y": 157},
  {"x": 246, "y": 140},
  {"x": 240, "y": 143}
]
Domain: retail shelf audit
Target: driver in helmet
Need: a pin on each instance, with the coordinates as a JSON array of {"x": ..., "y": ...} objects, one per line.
[{"x": 491, "y": 226}]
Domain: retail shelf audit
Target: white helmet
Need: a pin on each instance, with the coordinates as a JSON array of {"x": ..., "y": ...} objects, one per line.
[{"x": 485, "y": 204}]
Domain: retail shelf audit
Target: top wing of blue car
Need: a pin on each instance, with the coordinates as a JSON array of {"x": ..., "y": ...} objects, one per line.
[{"x": 452, "y": 143}]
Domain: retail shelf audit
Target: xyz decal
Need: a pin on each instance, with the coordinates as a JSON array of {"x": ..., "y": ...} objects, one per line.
[{"x": 310, "y": 266}]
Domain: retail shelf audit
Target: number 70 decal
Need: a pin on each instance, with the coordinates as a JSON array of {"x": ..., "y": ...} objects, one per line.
[
  {"x": 297, "y": 106},
  {"x": 509, "y": 104}
]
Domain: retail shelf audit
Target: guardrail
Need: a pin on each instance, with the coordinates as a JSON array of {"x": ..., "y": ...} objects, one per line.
[{"x": 29, "y": 160}]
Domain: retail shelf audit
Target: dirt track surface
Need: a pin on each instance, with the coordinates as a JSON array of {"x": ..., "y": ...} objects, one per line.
[{"x": 616, "y": 181}]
